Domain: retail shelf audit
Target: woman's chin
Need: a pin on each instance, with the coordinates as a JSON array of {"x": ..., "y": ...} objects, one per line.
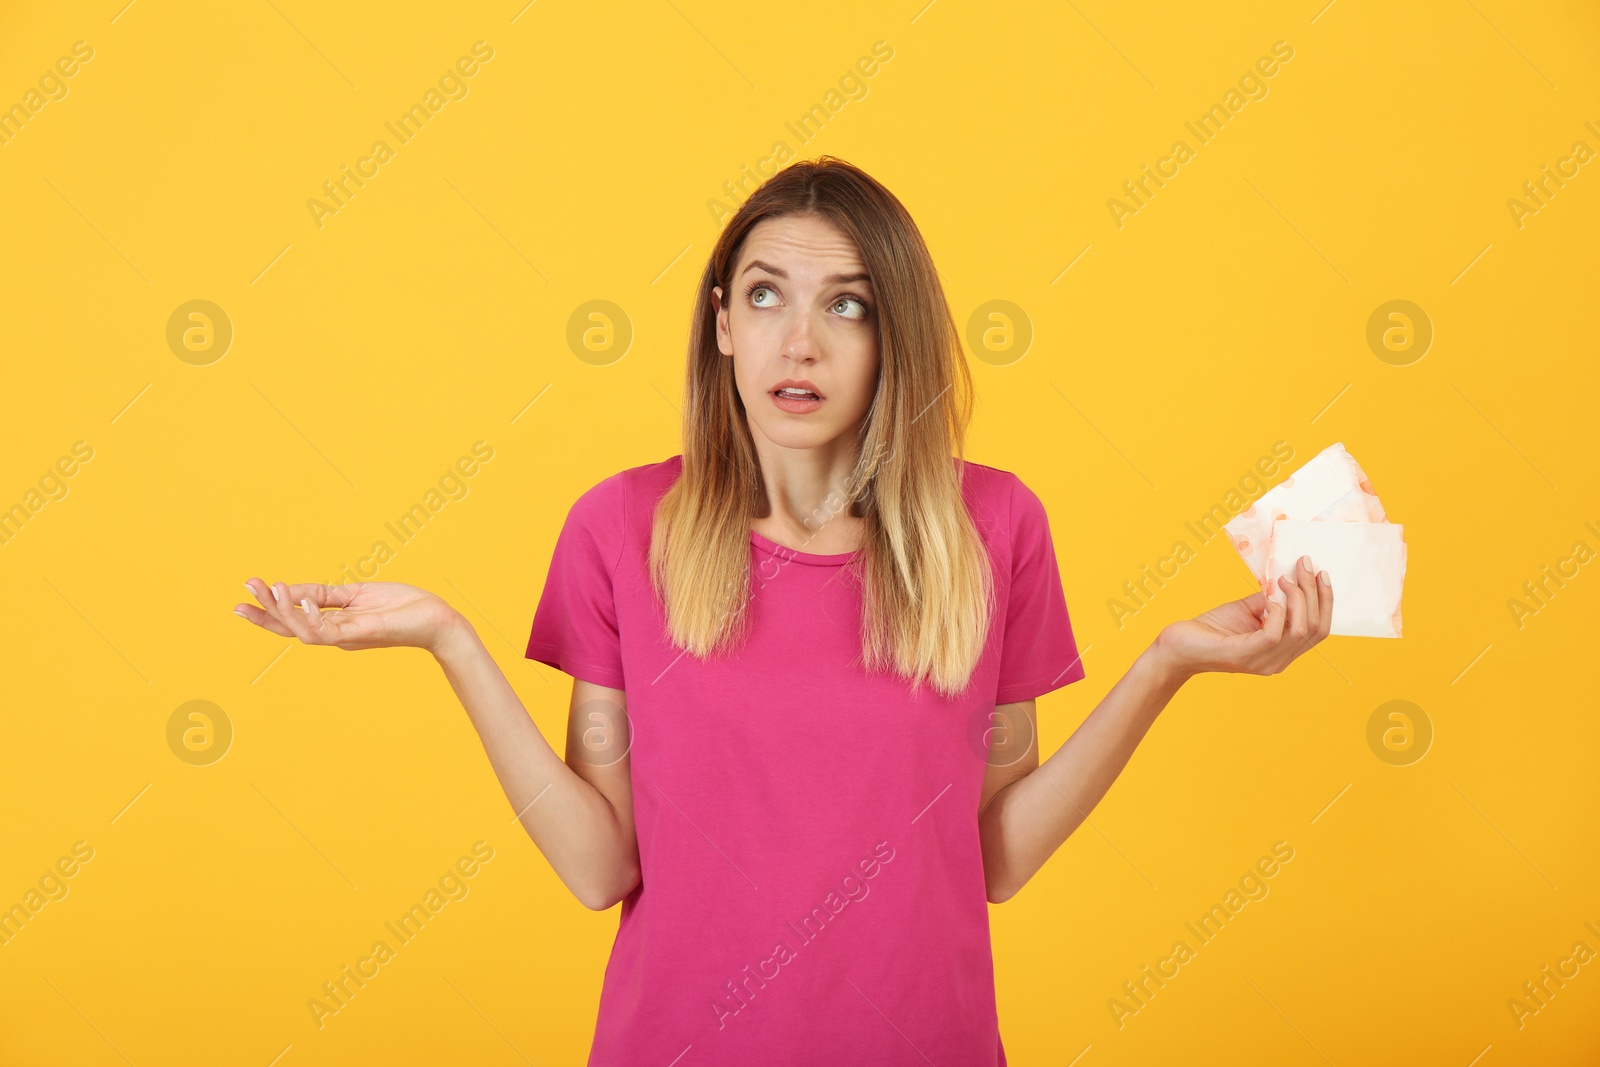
[{"x": 797, "y": 432}]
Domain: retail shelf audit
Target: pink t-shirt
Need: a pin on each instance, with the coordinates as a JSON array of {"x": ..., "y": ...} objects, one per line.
[{"x": 812, "y": 888}]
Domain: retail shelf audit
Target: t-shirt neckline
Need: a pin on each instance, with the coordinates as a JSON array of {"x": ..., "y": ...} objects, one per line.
[{"x": 837, "y": 559}]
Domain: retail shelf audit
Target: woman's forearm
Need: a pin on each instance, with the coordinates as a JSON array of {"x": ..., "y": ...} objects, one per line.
[
  {"x": 1030, "y": 818},
  {"x": 572, "y": 823}
]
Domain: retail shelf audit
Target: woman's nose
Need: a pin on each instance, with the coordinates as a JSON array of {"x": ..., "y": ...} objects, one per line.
[{"x": 797, "y": 342}]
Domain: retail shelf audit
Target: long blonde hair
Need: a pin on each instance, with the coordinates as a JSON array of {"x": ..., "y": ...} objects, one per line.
[{"x": 927, "y": 590}]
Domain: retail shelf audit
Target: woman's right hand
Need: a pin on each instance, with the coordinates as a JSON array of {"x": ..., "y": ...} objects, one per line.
[{"x": 364, "y": 615}]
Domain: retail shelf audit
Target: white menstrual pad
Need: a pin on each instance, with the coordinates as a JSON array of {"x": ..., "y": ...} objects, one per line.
[
  {"x": 1330, "y": 486},
  {"x": 1366, "y": 565},
  {"x": 1328, "y": 510}
]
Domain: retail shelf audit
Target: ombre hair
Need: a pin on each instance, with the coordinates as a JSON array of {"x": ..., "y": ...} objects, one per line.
[{"x": 924, "y": 573}]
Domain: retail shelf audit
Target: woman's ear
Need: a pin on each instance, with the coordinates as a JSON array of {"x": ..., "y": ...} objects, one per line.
[{"x": 724, "y": 338}]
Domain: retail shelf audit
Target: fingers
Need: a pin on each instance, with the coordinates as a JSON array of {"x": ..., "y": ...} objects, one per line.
[
  {"x": 1273, "y": 618},
  {"x": 1266, "y": 639},
  {"x": 273, "y": 602},
  {"x": 1318, "y": 600},
  {"x": 302, "y": 617},
  {"x": 1308, "y": 613},
  {"x": 1325, "y": 602},
  {"x": 268, "y": 610},
  {"x": 1295, "y": 603},
  {"x": 1306, "y": 576},
  {"x": 322, "y": 596},
  {"x": 283, "y": 616},
  {"x": 1288, "y": 628},
  {"x": 262, "y": 618}
]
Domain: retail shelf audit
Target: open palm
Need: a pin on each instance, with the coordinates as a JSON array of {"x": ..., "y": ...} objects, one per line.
[
  {"x": 362, "y": 615},
  {"x": 1254, "y": 635}
]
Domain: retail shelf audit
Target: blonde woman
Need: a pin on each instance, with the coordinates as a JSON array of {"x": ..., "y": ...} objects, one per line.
[{"x": 805, "y": 654}]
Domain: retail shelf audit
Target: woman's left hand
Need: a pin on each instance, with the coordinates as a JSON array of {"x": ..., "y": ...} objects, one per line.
[{"x": 1254, "y": 635}]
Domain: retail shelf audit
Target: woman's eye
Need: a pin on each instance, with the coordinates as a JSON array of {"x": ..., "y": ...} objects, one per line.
[
  {"x": 755, "y": 295},
  {"x": 843, "y": 301}
]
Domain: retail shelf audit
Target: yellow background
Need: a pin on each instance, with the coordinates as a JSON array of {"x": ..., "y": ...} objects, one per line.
[{"x": 371, "y": 353}]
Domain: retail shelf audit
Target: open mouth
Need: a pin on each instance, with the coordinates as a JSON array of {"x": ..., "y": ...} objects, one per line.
[{"x": 796, "y": 399}]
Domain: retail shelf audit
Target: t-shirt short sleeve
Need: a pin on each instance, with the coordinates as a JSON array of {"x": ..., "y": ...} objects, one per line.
[
  {"x": 1038, "y": 653},
  {"x": 575, "y": 625}
]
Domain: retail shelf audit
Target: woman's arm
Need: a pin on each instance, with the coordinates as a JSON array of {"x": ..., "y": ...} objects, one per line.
[
  {"x": 579, "y": 812},
  {"x": 1026, "y": 821}
]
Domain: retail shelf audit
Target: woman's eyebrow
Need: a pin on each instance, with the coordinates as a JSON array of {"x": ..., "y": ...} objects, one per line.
[{"x": 756, "y": 264}]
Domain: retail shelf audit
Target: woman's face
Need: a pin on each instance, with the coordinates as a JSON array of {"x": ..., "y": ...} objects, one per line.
[{"x": 801, "y": 308}]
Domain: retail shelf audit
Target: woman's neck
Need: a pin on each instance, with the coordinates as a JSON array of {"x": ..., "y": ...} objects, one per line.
[{"x": 807, "y": 505}]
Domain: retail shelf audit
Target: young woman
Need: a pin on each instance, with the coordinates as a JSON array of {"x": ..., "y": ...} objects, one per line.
[{"x": 805, "y": 654}]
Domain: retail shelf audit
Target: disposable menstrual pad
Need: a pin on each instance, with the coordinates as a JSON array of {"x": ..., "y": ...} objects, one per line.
[
  {"x": 1328, "y": 510},
  {"x": 1330, "y": 486},
  {"x": 1366, "y": 565}
]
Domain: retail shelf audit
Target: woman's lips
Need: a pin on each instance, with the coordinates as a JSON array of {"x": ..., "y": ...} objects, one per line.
[{"x": 795, "y": 405}]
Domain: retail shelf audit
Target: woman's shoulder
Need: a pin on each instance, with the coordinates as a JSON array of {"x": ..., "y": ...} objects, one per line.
[
  {"x": 614, "y": 499},
  {"x": 642, "y": 478},
  {"x": 1008, "y": 512},
  {"x": 990, "y": 487}
]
